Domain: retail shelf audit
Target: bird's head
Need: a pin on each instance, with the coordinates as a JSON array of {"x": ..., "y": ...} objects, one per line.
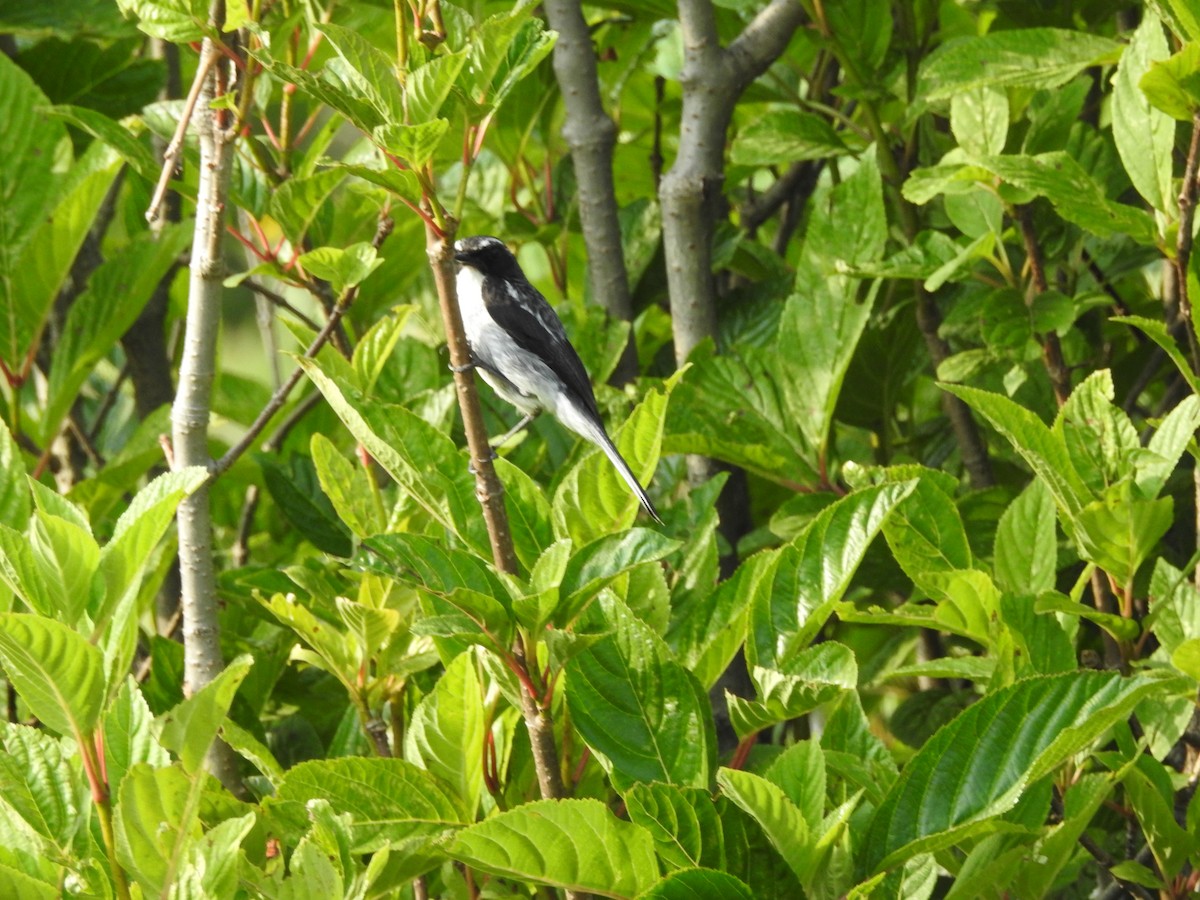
[{"x": 488, "y": 255}]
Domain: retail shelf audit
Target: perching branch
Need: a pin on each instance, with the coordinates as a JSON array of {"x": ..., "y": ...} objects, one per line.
[
  {"x": 439, "y": 247},
  {"x": 591, "y": 134},
  {"x": 192, "y": 406}
]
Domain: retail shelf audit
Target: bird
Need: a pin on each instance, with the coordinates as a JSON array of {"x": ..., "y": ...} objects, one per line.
[{"x": 519, "y": 347}]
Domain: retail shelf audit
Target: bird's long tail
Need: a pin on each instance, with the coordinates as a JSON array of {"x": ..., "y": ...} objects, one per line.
[{"x": 622, "y": 467}]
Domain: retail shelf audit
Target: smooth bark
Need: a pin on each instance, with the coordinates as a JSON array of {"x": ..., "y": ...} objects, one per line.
[
  {"x": 591, "y": 134},
  {"x": 190, "y": 412},
  {"x": 691, "y": 192}
]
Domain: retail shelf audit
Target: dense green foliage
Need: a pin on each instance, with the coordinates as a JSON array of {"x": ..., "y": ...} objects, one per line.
[{"x": 954, "y": 381}]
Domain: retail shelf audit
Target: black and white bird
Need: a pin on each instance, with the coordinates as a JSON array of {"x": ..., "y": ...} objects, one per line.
[{"x": 519, "y": 346}]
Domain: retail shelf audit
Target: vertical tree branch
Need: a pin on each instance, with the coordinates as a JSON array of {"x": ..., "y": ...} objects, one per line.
[
  {"x": 712, "y": 80},
  {"x": 591, "y": 134},
  {"x": 190, "y": 412}
]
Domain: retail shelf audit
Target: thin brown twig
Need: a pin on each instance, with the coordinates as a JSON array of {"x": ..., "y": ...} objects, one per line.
[
  {"x": 1056, "y": 368},
  {"x": 207, "y": 59},
  {"x": 280, "y": 301},
  {"x": 1183, "y": 244},
  {"x": 241, "y": 545},
  {"x": 281, "y": 394}
]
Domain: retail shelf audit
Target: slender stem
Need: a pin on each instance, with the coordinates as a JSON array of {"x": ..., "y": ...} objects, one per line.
[
  {"x": 208, "y": 57},
  {"x": 92, "y": 767},
  {"x": 284, "y": 390},
  {"x": 439, "y": 246},
  {"x": 1060, "y": 377}
]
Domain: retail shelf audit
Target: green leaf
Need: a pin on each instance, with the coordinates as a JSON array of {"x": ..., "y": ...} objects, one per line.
[
  {"x": 744, "y": 389},
  {"x": 699, "y": 884},
  {"x": 1145, "y": 137},
  {"x": 446, "y": 732},
  {"x": 1044, "y": 450},
  {"x": 334, "y": 650},
  {"x": 129, "y": 735},
  {"x": 462, "y": 578},
  {"x": 342, "y": 268},
  {"x": 1158, "y": 333},
  {"x": 1119, "y": 531},
  {"x": 1100, "y": 438},
  {"x": 250, "y": 748},
  {"x": 529, "y": 516},
  {"x": 401, "y": 182},
  {"x": 415, "y": 144},
  {"x": 388, "y": 800},
  {"x": 979, "y": 120},
  {"x": 1080, "y": 803},
  {"x": 211, "y": 865},
  {"x": 1167, "y": 445},
  {"x": 423, "y": 460},
  {"x": 30, "y": 138},
  {"x": 1029, "y": 57},
  {"x": 68, "y": 558},
  {"x": 42, "y": 783},
  {"x": 576, "y": 845},
  {"x": 348, "y": 487},
  {"x": 368, "y": 70},
  {"x": 427, "y": 86},
  {"x": 296, "y": 203},
  {"x": 189, "y": 729},
  {"x": 177, "y": 21},
  {"x": 975, "y": 768},
  {"x": 125, "y": 558},
  {"x": 800, "y": 773},
  {"x": 1186, "y": 658},
  {"x": 641, "y": 712},
  {"x": 147, "y": 823},
  {"x": 925, "y": 531},
  {"x": 783, "y": 136},
  {"x": 1173, "y": 85},
  {"x": 1075, "y": 194},
  {"x": 779, "y": 818},
  {"x": 1026, "y": 551},
  {"x": 1180, "y": 15},
  {"x": 46, "y": 215},
  {"x": 505, "y": 48},
  {"x": 57, "y": 673},
  {"x": 825, "y": 317},
  {"x": 596, "y": 565},
  {"x": 683, "y": 822},
  {"x": 14, "y": 492},
  {"x": 117, "y": 292},
  {"x": 798, "y": 593},
  {"x": 813, "y": 676},
  {"x": 1170, "y": 843},
  {"x": 116, "y": 135},
  {"x": 294, "y": 486}
]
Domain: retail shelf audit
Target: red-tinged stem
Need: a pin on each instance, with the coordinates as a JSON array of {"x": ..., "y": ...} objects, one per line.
[
  {"x": 247, "y": 243},
  {"x": 742, "y": 753}
]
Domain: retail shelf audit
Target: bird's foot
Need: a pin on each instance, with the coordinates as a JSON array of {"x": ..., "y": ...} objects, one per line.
[
  {"x": 508, "y": 435},
  {"x": 471, "y": 465},
  {"x": 465, "y": 367}
]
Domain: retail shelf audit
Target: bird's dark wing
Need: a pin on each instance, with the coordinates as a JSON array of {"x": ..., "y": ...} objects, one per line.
[{"x": 521, "y": 310}]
